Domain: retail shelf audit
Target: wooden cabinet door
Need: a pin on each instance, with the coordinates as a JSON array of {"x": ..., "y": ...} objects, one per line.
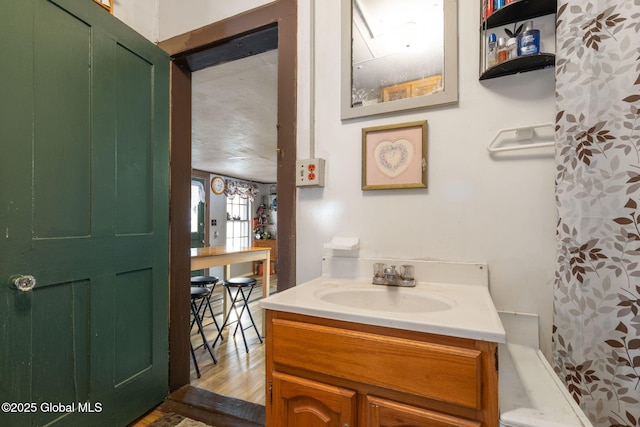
[
  {"x": 386, "y": 413},
  {"x": 301, "y": 402}
]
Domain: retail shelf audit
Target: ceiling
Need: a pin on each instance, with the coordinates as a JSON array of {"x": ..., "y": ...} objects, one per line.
[{"x": 234, "y": 117}]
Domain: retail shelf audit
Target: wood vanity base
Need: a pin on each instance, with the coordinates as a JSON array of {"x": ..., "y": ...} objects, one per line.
[{"x": 323, "y": 372}]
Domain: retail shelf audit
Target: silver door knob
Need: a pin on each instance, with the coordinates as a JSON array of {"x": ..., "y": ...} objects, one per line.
[{"x": 24, "y": 283}]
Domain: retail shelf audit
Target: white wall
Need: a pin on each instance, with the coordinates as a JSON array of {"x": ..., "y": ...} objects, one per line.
[
  {"x": 499, "y": 209},
  {"x": 141, "y": 15},
  {"x": 177, "y": 16},
  {"x": 160, "y": 20},
  {"x": 217, "y": 212}
]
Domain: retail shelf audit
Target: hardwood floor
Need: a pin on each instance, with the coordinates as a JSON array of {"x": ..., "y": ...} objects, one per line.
[
  {"x": 148, "y": 418},
  {"x": 237, "y": 375}
]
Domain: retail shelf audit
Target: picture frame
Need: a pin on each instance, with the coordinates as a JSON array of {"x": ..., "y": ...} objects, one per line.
[
  {"x": 106, "y": 4},
  {"x": 394, "y": 156}
]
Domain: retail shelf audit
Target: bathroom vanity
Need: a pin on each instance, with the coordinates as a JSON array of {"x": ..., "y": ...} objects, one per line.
[
  {"x": 323, "y": 372},
  {"x": 344, "y": 352}
]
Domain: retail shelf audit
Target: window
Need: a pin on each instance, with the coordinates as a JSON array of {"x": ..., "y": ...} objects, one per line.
[{"x": 238, "y": 223}]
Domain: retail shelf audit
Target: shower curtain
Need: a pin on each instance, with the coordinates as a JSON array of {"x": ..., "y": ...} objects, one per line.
[{"x": 597, "y": 285}]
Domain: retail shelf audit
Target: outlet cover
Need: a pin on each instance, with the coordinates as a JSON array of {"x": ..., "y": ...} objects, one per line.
[{"x": 310, "y": 173}]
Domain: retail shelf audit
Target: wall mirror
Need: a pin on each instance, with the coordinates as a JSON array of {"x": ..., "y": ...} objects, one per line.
[{"x": 398, "y": 55}]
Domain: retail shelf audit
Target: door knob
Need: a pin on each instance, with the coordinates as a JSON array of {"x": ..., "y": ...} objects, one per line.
[{"x": 23, "y": 283}]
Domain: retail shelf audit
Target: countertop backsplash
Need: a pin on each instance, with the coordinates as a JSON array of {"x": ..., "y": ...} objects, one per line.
[{"x": 431, "y": 271}]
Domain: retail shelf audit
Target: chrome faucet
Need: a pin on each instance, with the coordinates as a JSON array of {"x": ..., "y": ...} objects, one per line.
[{"x": 391, "y": 277}]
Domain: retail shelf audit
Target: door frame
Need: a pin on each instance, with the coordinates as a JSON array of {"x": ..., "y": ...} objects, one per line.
[{"x": 284, "y": 14}]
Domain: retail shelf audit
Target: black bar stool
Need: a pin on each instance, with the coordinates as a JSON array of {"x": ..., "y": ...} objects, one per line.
[
  {"x": 243, "y": 286},
  {"x": 210, "y": 283},
  {"x": 198, "y": 294}
]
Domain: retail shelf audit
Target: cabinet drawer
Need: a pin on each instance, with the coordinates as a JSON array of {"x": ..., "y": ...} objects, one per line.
[
  {"x": 440, "y": 372},
  {"x": 383, "y": 412}
]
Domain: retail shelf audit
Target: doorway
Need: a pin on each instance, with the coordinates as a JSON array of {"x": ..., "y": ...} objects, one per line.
[{"x": 284, "y": 14}]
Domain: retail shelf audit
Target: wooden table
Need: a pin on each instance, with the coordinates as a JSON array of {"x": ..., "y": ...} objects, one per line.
[{"x": 216, "y": 256}]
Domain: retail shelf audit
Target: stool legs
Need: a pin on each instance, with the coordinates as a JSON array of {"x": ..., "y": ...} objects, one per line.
[
  {"x": 195, "y": 362},
  {"x": 202, "y": 310},
  {"x": 234, "y": 301},
  {"x": 253, "y": 323},
  {"x": 196, "y": 320}
]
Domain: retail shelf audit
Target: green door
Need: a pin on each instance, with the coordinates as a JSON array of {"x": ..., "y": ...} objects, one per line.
[
  {"x": 197, "y": 221},
  {"x": 83, "y": 210},
  {"x": 197, "y": 215}
]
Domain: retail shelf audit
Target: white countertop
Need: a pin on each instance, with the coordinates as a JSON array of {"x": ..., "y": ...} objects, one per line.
[{"x": 469, "y": 313}]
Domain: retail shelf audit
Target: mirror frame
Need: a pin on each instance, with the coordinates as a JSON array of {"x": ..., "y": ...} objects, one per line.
[{"x": 448, "y": 96}]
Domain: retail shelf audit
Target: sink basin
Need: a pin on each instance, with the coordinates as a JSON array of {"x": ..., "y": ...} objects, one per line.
[
  {"x": 385, "y": 298},
  {"x": 451, "y": 308}
]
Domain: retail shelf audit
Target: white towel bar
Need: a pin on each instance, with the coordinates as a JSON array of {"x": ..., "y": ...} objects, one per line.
[{"x": 522, "y": 133}]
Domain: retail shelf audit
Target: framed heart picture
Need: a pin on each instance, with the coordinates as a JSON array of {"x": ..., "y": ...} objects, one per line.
[{"x": 394, "y": 156}]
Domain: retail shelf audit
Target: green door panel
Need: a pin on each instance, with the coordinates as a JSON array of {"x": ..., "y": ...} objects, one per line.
[
  {"x": 60, "y": 345},
  {"x": 84, "y": 209},
  {"x": 198, "y": 237},
  {"x": 134, "y": 171},
  {"x": 62, "y": 112}
]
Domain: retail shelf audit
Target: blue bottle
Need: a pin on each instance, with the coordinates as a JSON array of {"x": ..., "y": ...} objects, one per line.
[
  {"x": 529, "y": 40},
  {"x": 492, "y": 51}
]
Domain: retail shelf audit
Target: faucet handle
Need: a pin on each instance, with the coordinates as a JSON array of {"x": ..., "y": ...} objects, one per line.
[
  {"x": 406, "y": 272},
  {"x": 378, "y": 273},
  {"x": 407, "y": 275}
]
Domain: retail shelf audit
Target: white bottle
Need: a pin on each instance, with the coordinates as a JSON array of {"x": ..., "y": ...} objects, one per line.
[{"x": 512, "y": 48}]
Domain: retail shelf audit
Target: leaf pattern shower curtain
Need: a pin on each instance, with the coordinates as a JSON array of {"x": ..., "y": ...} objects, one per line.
[{"x": 597, "y": 290}]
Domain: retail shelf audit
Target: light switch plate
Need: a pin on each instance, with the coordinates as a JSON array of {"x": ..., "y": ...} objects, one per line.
[{"x": 310, "y": 173}]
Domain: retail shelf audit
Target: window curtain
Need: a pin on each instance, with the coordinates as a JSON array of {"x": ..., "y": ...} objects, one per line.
[
  {"x": 243, "y": 189},
  {"x": 597, "y": 288}
]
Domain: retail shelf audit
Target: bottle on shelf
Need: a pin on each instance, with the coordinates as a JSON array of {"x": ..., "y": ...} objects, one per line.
[
  {"x": 487, "y": 8},
  {"x": 529, "y": 40},
  {"x": 491, "y": 51},
  {"x": 502, "y": 54},
  {"x": 527, "y": 53},
  {"x": 512, "y": 48}
]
